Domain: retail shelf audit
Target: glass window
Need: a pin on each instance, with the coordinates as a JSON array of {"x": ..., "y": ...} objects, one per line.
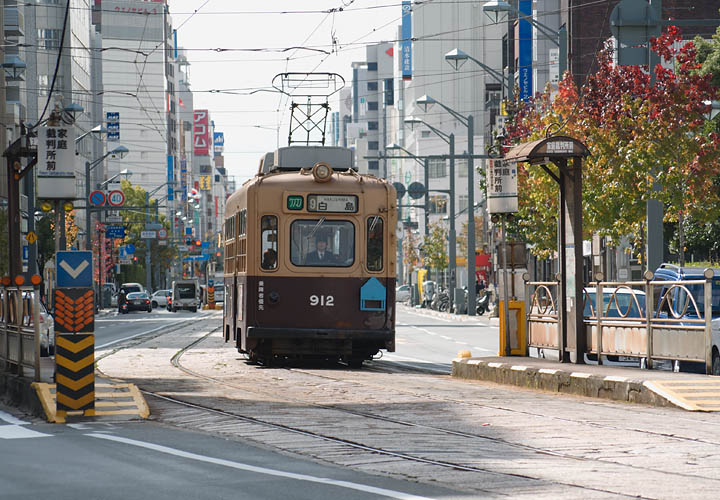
[
  {"x": 268, "y": 242},
  {"x": 437, "y": 168},
  {"x": 373, "y": 145},
  {"x": 322, "y": 243},
  {"x": 372, "y": 105},
  {"x": 375, "y": 243},
  {"x": 372, "y": 85},
  {"x": 461, "y": 167},
  {"x": 438, "y": 205}
]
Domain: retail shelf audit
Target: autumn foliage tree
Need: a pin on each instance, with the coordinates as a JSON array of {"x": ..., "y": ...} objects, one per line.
[{"x": 648, "y": 140}]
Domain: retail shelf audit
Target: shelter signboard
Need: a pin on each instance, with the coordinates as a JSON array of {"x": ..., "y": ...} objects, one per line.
[
  {"x": 502, "y": 186},
  {"x": 56, "y": 162}
]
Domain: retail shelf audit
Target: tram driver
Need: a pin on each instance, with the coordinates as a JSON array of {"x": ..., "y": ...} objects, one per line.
[{"x": 321, "y": 256}]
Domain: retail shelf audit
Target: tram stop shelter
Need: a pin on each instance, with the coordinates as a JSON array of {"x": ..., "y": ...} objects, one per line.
[{"x": 566, "y": 154}]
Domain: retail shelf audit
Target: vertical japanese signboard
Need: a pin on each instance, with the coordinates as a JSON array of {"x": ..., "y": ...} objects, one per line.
[
  {"x": 201, "y": 132},
  {"x": 406, "y": 42},
  {"x": 183, "y": 179},
  {"x": 525, "y": 53},
  {"x": 170, "y": 177},
  {"x": 502, "y": 187},
  {"x": 56, "y": 162}
]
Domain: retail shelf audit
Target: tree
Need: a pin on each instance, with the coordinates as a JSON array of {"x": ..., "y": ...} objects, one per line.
[
  {"x": 647, "y": 142},
  {"x": 463, "y": 236},
  {"x": 435, "y": 248},
  {"x": 411, "y": 257}
]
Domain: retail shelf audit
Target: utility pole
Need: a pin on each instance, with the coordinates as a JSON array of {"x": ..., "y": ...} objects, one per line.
[
  {"x": 453, "y": 243},
  {"x": 471, "y": 219}
]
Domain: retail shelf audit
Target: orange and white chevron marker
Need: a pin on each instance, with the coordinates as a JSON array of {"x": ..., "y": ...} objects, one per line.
[{"x": 74, "y": 310}]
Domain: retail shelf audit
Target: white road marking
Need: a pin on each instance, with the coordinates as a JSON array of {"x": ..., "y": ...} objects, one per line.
[
  {"x": 19, "y": 432},
  {"x": 482, "y": 349},
  {"x": 74, "y": 273},
  {"x": 6, "y": 417},
  {"x": 445, "y": 337},
  {"x": 461, "y": 343},
  {"x": 259, "y": 470}
]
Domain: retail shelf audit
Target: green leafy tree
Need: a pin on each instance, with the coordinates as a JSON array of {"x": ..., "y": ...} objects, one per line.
[{"x": 435, "y": 248}]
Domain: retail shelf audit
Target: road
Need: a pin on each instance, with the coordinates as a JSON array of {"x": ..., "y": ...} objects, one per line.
[
  {"x": 112, "y": 329},
  {"x": 142, "y": 460},
  {"x": 431, "y": 342}
]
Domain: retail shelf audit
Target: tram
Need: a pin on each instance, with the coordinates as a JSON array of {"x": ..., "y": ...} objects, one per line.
[{"x": 310, "y": 260}]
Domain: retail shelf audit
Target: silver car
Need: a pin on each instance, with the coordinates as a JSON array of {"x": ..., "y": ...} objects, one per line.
[
  {"x": 402, "y": 293},
  {"x": 47, "y": 327}
]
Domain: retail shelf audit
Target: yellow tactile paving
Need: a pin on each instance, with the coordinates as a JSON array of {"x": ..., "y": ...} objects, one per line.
[
  {"x": 693, "y": 394},
  {"x": 110, "y": 399}
]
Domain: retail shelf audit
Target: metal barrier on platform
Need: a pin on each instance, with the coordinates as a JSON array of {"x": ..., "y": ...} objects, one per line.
[
  {"x": 621, "y": 319},
  {"x": 20, "y": 329}
]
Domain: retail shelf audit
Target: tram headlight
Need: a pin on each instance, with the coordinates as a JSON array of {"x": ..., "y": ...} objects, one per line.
[{"x": 322, "y": 172}]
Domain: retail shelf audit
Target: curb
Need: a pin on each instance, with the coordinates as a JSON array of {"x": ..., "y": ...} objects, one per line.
[{"x": 610, "y": 387}]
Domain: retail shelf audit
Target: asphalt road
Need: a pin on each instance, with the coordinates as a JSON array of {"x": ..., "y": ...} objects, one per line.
[
  {"x": 146, "y": 460},
  {"x": 431, "y": 343},
  {"x": 114, "y": 328}
]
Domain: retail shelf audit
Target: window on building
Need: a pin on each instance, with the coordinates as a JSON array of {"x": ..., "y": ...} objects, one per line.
[
  {"x": 372, "y": 125},
  {"x": 437, "y": 168},
  {"x": 375, "y": 243},
  {"x": 373, "y": 145},
  {"x": 372, "y": 105},
  {"x": 372, "y": 66},
  {"x": 462, "y": 202},
  {"x": 461, "y": 167},
  {"x": 48, "y": 39},
  {"x": 373, "y": 165},
  {"x": 425, "y": 134},
  {"x": 438, "y": 205},
  {"x": 372, "y": 86},
  {"x": 44, "y": 82}
]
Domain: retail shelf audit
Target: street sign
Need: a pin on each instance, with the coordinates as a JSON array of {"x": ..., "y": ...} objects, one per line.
[
  {"x": 153, "y": 227},
  {"x": 183, "y": 248},
  {"x": 113, "y": 218},
  {"x": 148, "y": 235},
  {"x": 126, "y": 262},
  {"x": 162, "y": 234},
  {"x": 130, "y": 248},
  {"x": 416, "y": 190},
  {"x": 114, "y": 231},
  {"x": 196, "y": 257},
  {"x": 162, "y": 243},
  {"x": 97, "y": 198},
  {"x": 74, "y": 269},
  {"x": 31, "y": 237},
  {"x": 399, "y": 189},
  {"x": 56, "y": 162},
  {"x": 116, "y": 198},
  {"x": 113, "y": 126}
]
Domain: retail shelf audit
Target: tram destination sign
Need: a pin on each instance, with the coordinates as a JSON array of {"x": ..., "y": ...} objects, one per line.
[{"x": 332, "y": 203}]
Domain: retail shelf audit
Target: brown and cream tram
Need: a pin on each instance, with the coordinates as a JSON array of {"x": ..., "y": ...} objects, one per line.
[{"x": 310, "y": 259}]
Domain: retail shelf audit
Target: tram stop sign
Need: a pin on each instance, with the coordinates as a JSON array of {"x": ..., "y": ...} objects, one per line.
[
  {"x": 400, "y": 188},
  {"x": 416, "y": 190}
]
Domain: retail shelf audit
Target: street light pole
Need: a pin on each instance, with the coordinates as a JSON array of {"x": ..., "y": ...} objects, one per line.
[
  {"x": 471, "y": 219},
  {"x": 453, "y": 243}
]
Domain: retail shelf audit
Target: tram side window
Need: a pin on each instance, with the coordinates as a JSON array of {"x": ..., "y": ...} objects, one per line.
[
  {"x": 375, "y": 243},
  {"x": 268, "y": 242},
  {"x": 322, "y": 243}
]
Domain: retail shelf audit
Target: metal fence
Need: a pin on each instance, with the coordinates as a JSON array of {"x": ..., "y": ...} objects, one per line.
[
  {"x": 648, "y": 320},
  {"x": 20, "y": 329}
]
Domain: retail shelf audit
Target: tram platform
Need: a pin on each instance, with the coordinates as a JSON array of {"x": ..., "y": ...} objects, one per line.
[{"x": 688, "y": 391}]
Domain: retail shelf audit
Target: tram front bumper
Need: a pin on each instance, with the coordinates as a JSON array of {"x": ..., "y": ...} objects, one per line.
[{"x": 256, "y": 332}]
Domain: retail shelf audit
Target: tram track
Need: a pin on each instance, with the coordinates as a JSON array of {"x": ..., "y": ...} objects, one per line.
[{"x": 176, "y": 362}]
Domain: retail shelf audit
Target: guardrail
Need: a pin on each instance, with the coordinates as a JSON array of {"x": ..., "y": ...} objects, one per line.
[
  {"x": 20, "y": 329},
  {"x": 621, "y": 319}
]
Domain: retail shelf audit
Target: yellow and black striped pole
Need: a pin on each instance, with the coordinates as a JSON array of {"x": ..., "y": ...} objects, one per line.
[{"x": 75, "y": 373}]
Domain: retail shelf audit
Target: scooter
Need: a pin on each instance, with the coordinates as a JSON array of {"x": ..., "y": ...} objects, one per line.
[
  {"x": 124, "y": 309},
  {"x": 483, "y": 303}
]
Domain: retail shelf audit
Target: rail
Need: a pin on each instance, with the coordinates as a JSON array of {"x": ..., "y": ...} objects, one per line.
[
  {"x": 648, "y": 320},
  {"x": 20, "y": 329}
]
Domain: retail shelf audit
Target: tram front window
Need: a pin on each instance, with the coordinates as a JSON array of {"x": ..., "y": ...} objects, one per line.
[{"x": 322, "y": 243}]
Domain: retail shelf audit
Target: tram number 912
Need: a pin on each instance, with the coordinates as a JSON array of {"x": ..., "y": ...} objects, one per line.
[{"x": 322, "y": 300}]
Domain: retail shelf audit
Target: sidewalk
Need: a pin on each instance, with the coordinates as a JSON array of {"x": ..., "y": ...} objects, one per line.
[{"x": 689, "y": 391}]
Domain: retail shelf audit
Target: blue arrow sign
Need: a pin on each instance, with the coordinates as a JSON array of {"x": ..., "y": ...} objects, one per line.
[
  {"x": 74, "y": 269},
  {"x": 114, "y": 231},
  {"x": 130, "y": 248}
]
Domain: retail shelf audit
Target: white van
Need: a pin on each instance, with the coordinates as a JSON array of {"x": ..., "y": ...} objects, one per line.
[{"x": 185, "y": 295}]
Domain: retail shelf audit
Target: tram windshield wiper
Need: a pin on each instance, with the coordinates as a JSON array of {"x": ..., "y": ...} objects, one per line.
[
  {"x": 317, "y": 226},
  {"x": 374, "y": 222}
]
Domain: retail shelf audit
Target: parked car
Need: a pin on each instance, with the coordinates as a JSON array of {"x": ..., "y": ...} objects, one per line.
[
  {"x": 219, "y": 293},
  {"x": 402, "y": 293},
  {"x": 160, "y": 298},
  {"x": 136, "y": 301},
  {"x": 676, "y": 308},
  {"x": 47, "y": 327}
]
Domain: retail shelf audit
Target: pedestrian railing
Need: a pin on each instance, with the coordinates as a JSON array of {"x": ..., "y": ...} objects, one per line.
[
  {"x": 648, "y": 320},
  {"x": 20, "y": 329}
]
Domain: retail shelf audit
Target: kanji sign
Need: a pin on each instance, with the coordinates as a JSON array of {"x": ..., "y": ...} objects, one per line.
[
  {"x": 502, "y": 187},
  {"x": 115, "y": 232},
  {"x": 56, "y": 162}
]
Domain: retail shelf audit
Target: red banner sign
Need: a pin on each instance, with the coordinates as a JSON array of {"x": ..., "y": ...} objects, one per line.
[{"x": 201, "y": 132}]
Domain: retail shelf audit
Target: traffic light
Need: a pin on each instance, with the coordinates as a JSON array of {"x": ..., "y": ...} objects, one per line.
[
  {"x": 198, "y": 243},
  {"x": 188, "y": 241}
]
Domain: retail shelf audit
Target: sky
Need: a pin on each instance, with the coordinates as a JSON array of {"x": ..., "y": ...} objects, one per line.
[{"x": 250, "y": 122}]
